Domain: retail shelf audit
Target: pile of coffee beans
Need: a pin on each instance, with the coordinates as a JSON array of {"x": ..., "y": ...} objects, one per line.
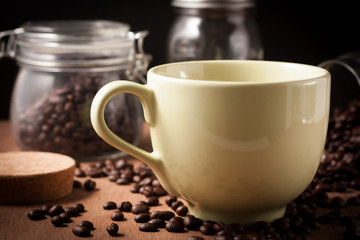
[
  {"x": 338, "y": 172},
  {"x": 60, "y": 120}
]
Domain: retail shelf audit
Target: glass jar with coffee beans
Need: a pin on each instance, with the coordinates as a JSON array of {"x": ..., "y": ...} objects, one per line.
[{"x": 62, "y": 64}]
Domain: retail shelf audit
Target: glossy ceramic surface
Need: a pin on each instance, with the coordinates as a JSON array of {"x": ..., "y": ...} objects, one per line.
[{"x": 238, "y": 140}]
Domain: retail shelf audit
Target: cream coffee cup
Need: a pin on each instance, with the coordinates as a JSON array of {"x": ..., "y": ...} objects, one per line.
[{"x": 238, "y": 140}]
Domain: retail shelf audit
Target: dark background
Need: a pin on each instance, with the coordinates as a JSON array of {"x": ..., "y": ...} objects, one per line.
[{"x": 304, "y": 31}]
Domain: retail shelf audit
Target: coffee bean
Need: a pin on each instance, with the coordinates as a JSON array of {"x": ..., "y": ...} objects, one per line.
[
  {"x": 152, "y": 201},
  {"x": 148, "y": 227},
  {"x": 79, "y": 206},
  {"x": 66, "y": 217},
  {"x": 121, "y": 164},
  {"x": 192, "y": 223},
  {"x": 135, "y": 188},
  {"x": 55, "y": 210},
  {"x": 89, "y": 185},
  {"x": 176, "y": 204},
  {"x": 338, "y": 202},
  {"x": 72, "y": 211},
  {"x": 142, "y": 217},
  {"x": 157, "y": 214},
  {"x": 159, "y": 191},
  {"x": 174, "y": 226},
  {"x": 76, "y": 184},
  {"x": 36, "y": 214},
  {"x": 170, "y": 199},
  {"x": 182, "y": 210},
  {"x": 207, "y": 229},
  {"x": 45, "y": 208},
  {"x": 89, "y": 225},
  {"x": 81, "y": 231},
  {"x": 117, "y": 216},
  {"x": 122, "y": 181},
  {"x": 109, "y": 205},
  {"x": 112, "y": 229},
  {"x": 140, "y": 208},
  {"x": 177, "y": 219},
  {"x": 125, "y": 206},
  {"x": 160, "y": 223},
  {"x": 168, "y": 215},
  {"x": 57, "y": 221}
]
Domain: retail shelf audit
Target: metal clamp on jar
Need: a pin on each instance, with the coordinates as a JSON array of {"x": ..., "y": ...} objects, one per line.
[{"x": 62, "y": 65}]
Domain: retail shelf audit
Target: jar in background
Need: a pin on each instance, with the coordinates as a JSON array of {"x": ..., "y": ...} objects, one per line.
[
  {"x": 214, "y": 29},
  {"x": 62, "y": 65}
]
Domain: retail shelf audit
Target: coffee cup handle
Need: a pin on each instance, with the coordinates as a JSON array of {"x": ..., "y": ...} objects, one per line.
[{"x": 102, "y": 97}]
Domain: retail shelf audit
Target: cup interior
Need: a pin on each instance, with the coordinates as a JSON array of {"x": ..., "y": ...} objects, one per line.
[{"x": 246, "y": 71}]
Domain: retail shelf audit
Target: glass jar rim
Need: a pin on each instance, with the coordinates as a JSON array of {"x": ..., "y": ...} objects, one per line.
[{"x": 201, "y": 4}]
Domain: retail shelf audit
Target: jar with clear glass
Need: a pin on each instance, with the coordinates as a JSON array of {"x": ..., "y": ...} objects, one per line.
[
  {"x": 62, "y": 65},
  {"x": 214, "y": 29}
]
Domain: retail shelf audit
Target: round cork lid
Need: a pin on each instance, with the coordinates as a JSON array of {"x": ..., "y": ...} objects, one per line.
[{"x": 33, "y": 177}]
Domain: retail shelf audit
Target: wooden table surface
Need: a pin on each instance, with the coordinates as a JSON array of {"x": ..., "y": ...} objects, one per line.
[{"x": 14, "y": 224}]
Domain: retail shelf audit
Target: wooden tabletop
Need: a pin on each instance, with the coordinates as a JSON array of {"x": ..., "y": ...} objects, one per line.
[{"x": 14, "y": 224}]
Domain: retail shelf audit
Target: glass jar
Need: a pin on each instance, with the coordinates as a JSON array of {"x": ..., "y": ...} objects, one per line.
[
  {"x": 62, "y": 64},
  {"x": 214, "y": 29}
]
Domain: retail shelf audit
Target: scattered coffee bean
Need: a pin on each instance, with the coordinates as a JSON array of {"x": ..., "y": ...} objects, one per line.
[
  {"x": 66, "y": 217},
  {"x": 174, "y": 226},
  {"x": 89, "y": 225},
  {"x": 122, "y": 181},
  {"x": 89, "y": 185},
  {"x": 57, "y": 221},
  {"x": 135, "y": 188},
  {"x": 176, "y": 204},
  {"x": 125, "y": 206},
  {"x": 140, "y": 208},
  {"x": 80, "y": 207},
  {"x": 142, "y": 217},
  {"x": 152, "y": 201},
  {"x": 192, "y": 223},
  {"x": 72, "y": 211},
  {"x": 81, "y": 231},
  {"x": 168, "y": 215},
  {"x": 55, "y": 210},
  {"x": 177, "y": 219},
  {"x": 182, "y": 210},
  {"x": 36, "y": 214},
  {"x": 157, "y": 214},
  {"x": 207, "y": 229},
  {"x": 170, "y": 199},
  {"x": 45, "y": 208},
  {"x": 117, "y": 215},
  {"x": 159, "y": 191},
  {"x": 112, "y": 229},
  {"x": 160, "y": 223},
  {"x": 148, "y": 227},
  {"x": 109, "y": 205},
  {"x": 77, "y": 184}
]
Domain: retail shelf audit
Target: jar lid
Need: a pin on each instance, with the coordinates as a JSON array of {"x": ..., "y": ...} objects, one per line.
[
  {"x": 74, "y": 34},
  {"x": 227, "y": 4},
  {"x": 76, "y": 43}
]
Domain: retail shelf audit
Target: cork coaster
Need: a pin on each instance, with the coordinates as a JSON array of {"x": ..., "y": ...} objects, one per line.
[{"x": 33, "y": 177}]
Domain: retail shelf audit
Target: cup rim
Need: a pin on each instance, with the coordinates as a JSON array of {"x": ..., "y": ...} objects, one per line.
[{"x": 322, "y": 72}]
